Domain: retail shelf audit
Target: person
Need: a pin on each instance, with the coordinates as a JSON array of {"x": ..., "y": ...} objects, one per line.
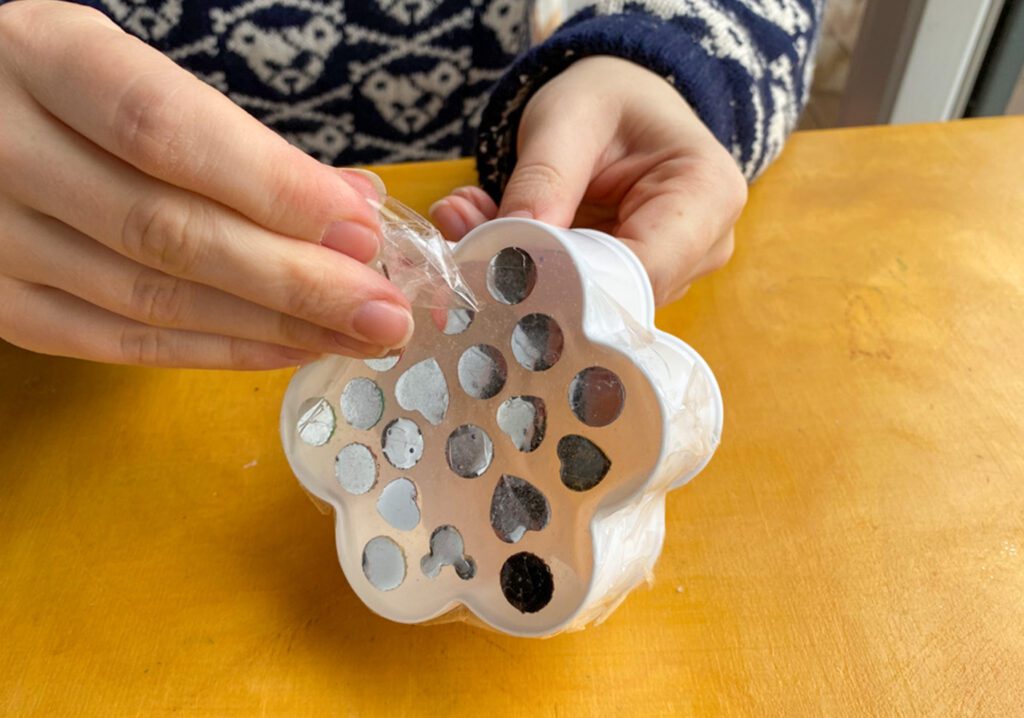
[{"x": 168, "y": 191}]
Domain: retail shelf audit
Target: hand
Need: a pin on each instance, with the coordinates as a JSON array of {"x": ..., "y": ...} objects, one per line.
[
  {"x": 611, "y": 146},
  {"x": 146, "y": 219}
]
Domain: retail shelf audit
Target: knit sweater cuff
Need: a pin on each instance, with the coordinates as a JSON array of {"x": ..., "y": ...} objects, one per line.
[{"x": 660, "y": 46}]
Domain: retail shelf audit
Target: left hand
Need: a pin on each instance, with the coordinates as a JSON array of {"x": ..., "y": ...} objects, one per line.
[{"x": 610, "y": 145}]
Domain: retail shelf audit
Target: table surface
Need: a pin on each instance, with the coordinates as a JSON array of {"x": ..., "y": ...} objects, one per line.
[{"x": 856, "y": 547}]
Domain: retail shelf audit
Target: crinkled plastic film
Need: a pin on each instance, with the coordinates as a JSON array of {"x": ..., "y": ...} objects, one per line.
[
  {"x": 628, "y": 541},
  {"x": 592, "y": 295},
  {"x": 418, "y": 260}
]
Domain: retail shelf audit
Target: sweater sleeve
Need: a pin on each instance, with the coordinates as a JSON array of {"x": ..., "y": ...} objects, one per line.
[{"x": 743, "y": 65}]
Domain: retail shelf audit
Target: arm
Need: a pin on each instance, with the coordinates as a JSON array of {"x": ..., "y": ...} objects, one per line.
[
  {"x": 744, "y": 66},
  {"x": 645, "y": 120},
  {"x": 146, "y": 219}
]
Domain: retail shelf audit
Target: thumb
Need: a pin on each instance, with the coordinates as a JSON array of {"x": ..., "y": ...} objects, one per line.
[{"x": 557, "y": 156}]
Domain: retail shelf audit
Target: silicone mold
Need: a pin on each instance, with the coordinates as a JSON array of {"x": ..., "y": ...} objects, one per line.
[{"x": 513, "y": 460}]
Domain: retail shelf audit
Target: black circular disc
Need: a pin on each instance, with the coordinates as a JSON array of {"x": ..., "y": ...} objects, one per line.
[{"x": 527, "y": 582}]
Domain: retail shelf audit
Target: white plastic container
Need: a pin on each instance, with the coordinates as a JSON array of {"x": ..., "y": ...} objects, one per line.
[{"x": 448, "y": 488}]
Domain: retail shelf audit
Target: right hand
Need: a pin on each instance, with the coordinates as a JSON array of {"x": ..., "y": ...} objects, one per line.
[{"x": 146, "y": 219}]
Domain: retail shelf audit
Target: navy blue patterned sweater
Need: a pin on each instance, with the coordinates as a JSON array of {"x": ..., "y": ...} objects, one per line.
[{"x": 354, "y": 82}]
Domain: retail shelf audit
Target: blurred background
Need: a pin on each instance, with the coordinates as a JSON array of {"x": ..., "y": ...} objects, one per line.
[{"x": 900, "y": 61}]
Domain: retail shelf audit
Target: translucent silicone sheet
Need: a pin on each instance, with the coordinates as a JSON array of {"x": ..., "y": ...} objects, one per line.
[{"x": 515, "y": 458}]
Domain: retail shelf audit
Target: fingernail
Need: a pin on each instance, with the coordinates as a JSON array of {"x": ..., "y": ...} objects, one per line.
[
  {"x": 445, "y": 217},
  {"x": 352, "y": 238},
  {"x": 520, "y": 213},
  {"x": 368, "y": 184},
  {"x": 383, "y": 323}
]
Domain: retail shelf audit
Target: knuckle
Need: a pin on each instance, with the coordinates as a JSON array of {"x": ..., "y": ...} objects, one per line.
[
  {"x": 736, "y": 191},
  {"x": 664, "y": 291},
  {"x": 670, "y": 283},
  {"x": 241, "y": 353},
  {"x": 16, "y": 22},
  {"x": 18, "y": 18},
  {"x": 660, "y": 270},
  {"x": 85, "y": 11},
  {"x": 691, "y": 247},
  {"x": 142, "y": 345},
  {"x": 724, "y": 175},
  {"x": 12, "y": 17},
  {"x": 717, "y": 257},
  {"x": 15, "y": 315},
  {"x": 536, "y": 177},
  {"x": 160, "y": 299},
  {"x": 295, "y": 193},
  {"x": 725, "y": 251},
  {"x": 291, "y": 331},
  {"x": 163, "y": 233},
  {"x": 25, "y": 24},
  {"x": 307, "y": 291},
  {"x": 148, "y": 123},
  {"x": 287, "y": 189},
  {"x": 677, "y": 293}
]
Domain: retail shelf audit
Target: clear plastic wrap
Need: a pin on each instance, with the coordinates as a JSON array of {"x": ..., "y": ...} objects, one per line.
[
  {"x": 419, "y": 261},
  {"x": 511, "y": 467}
]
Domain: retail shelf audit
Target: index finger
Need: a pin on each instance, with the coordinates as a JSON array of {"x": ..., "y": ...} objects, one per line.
[{"x": 140, "y": 106}]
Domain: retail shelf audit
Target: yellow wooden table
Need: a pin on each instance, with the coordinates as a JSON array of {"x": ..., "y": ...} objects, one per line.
[{"x": 855, "y": 548}]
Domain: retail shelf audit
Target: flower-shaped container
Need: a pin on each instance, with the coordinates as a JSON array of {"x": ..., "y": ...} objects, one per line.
[{"x": 514, "y": 460}]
